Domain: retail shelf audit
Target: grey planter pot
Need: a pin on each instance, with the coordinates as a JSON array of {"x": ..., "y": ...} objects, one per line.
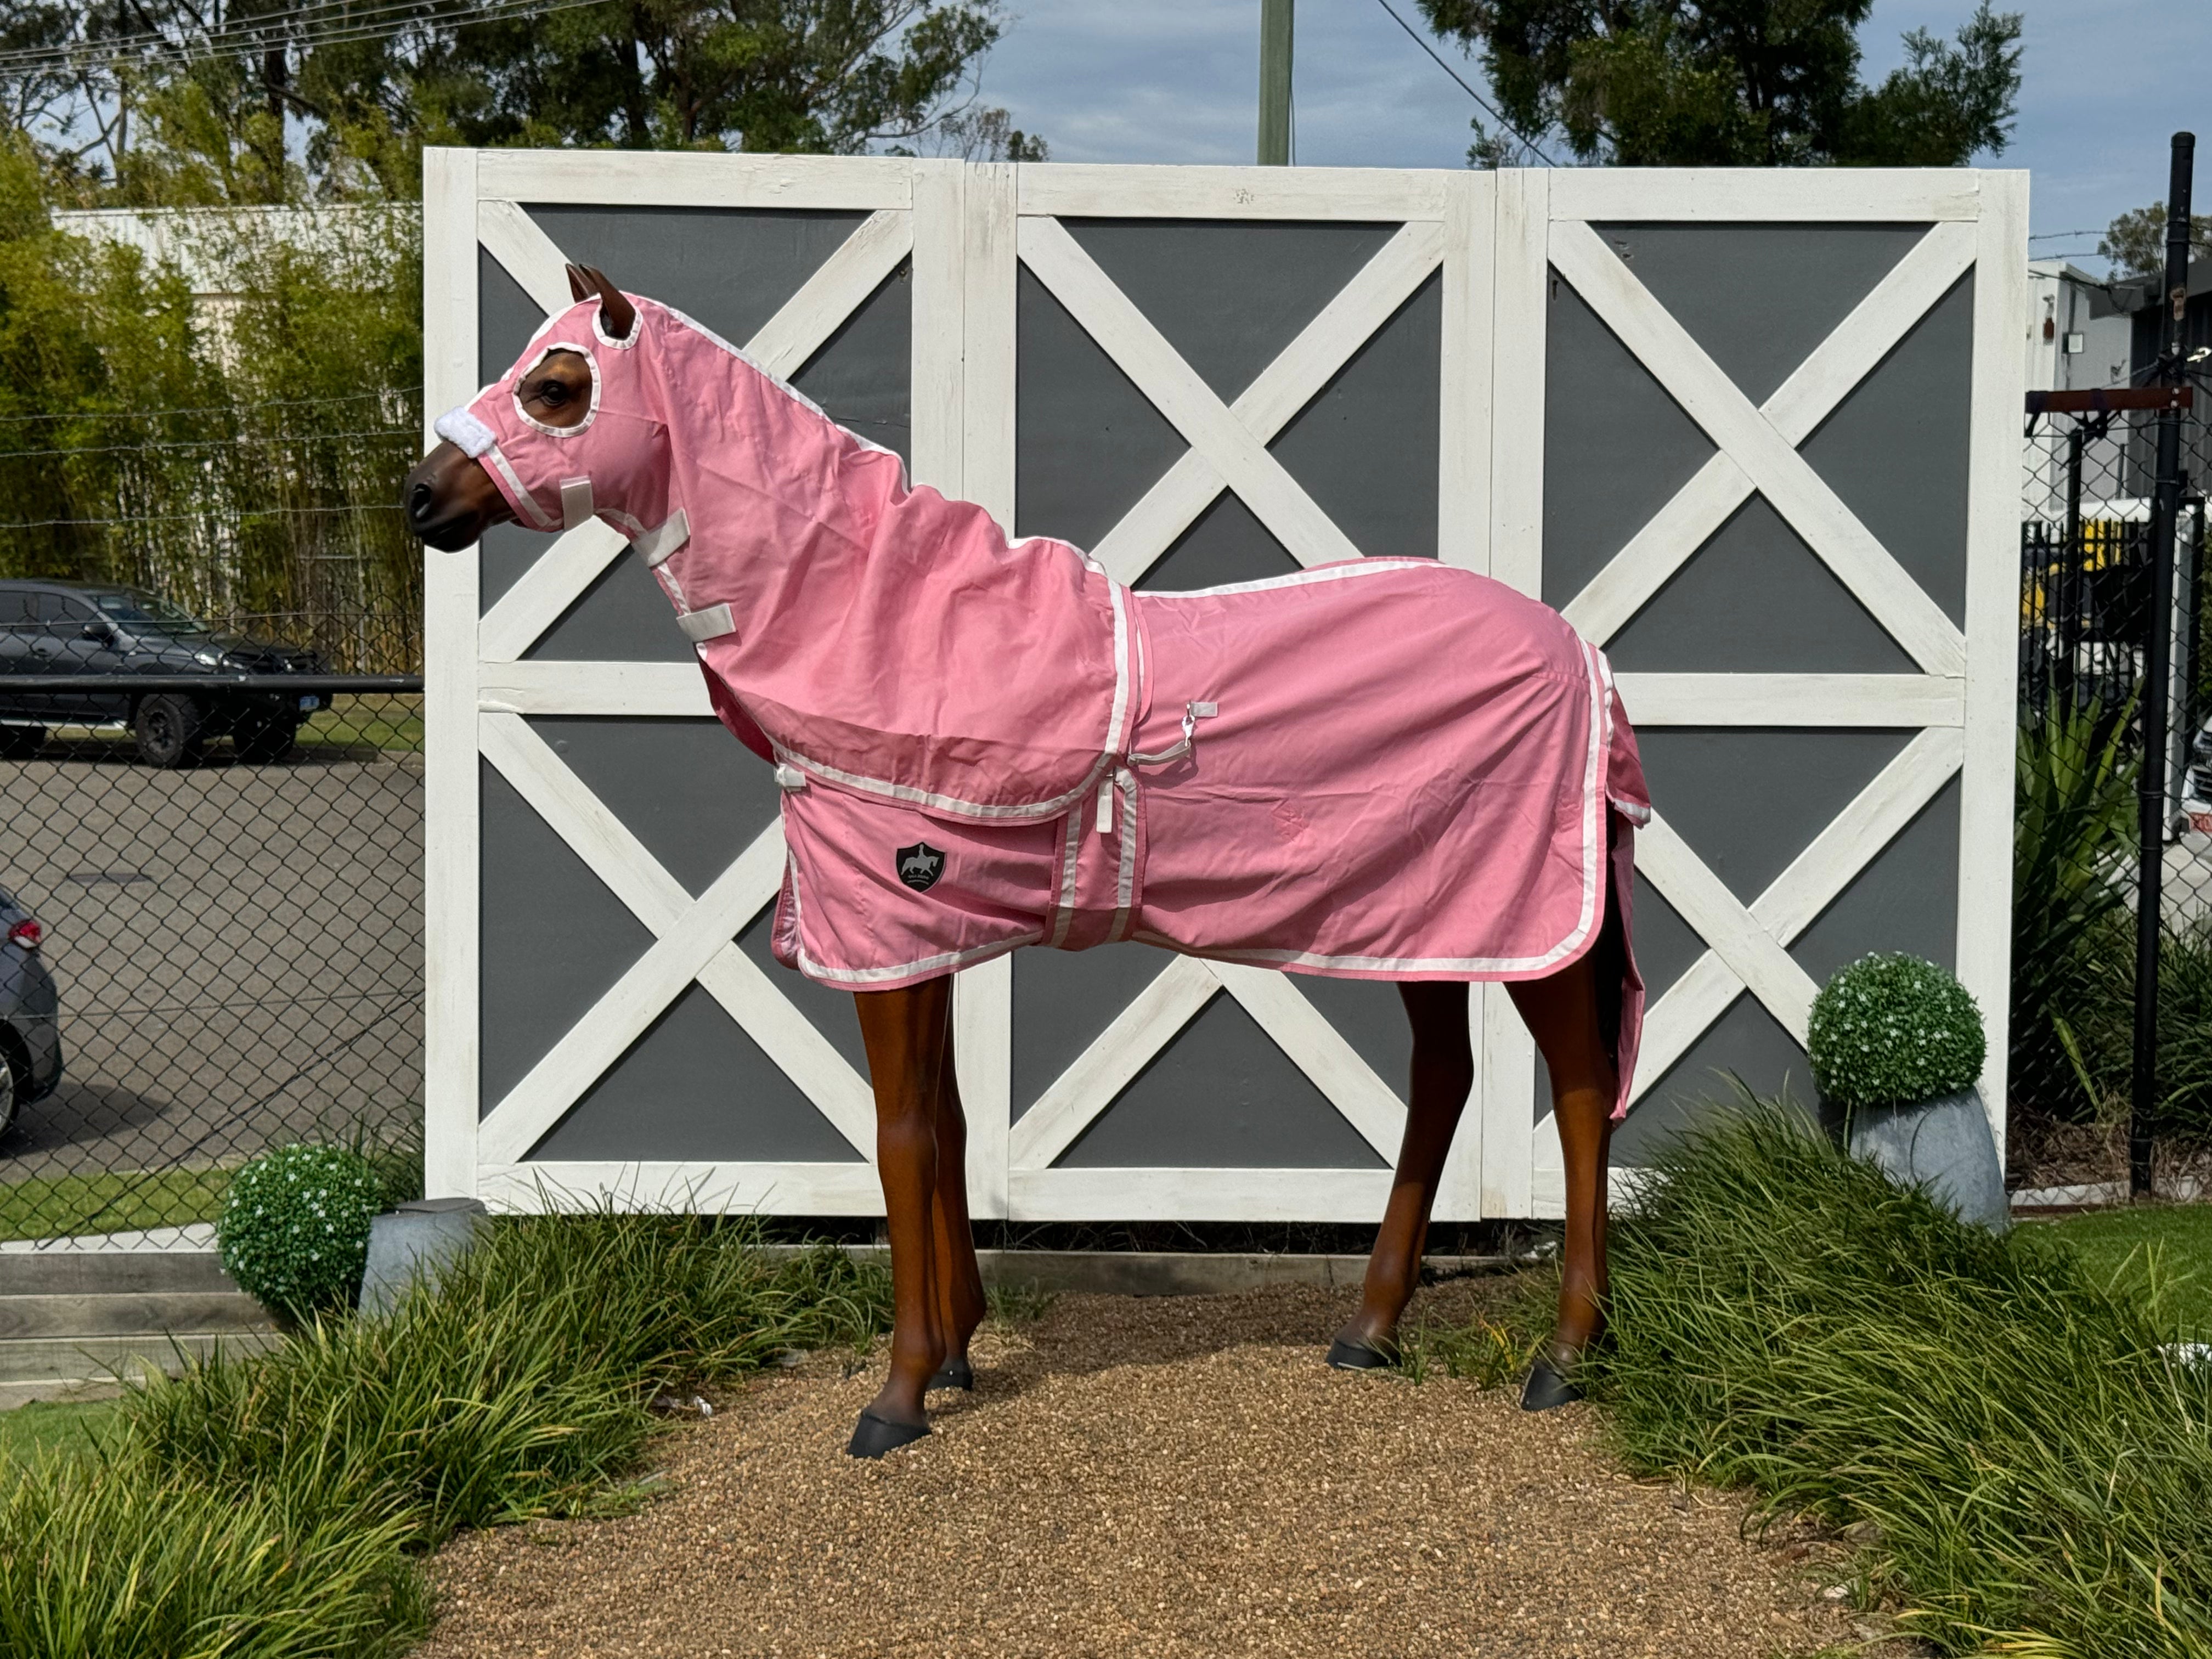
[
  {"x": 416, "y": 1240},
  {"x": 1943, "y": 1144}
]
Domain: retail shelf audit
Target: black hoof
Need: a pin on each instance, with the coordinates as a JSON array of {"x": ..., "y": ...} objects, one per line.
[
  {"x": 1347, "y": 1355},
  {"x": 873, "y": 1436},
  {"x": 1546, "y": 1387},
  {"x": 954, "y": 1374}
]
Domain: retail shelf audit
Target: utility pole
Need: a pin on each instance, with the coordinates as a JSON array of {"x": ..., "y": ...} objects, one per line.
[
  {"x": 1275, "y": 82},
  {"x": 2165, "y": 515}
]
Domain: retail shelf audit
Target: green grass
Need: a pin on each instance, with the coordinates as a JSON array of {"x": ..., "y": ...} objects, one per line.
[
  {"x": 393, "y": 724},
  {"x": 2164, "y": 1251},
  {"x": 277, "y": 1505},
  {"x": 27, "y": 1432},
  {"x": 1996, "y": 1415},
  {"x": 53, "y": 1207}
]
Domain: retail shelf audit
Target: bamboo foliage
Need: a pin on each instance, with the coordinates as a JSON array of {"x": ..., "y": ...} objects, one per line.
[{"x": 222, "y": 417}]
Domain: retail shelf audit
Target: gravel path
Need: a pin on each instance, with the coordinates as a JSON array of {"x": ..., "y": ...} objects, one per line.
[{"x": 1169, "y": 1477}]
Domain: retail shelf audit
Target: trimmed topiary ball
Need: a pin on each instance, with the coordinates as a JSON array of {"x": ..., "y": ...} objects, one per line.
[
  {"x": 294, "y": 1228},
  {"x": 1890, "y": 1029}
]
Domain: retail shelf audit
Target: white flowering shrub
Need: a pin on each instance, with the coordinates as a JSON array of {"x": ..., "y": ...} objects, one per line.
[
  {"x": 1890, "y": 1029},
  {"x": 294, "y": 1229}
]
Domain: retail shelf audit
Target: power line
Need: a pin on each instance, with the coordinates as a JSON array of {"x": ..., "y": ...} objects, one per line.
[
  {"x": 257, "y": 36},
  {"x": 209, "y": 408},
  {"x": 1413, "y": 34},
  {"x": 6, "y": 454}
]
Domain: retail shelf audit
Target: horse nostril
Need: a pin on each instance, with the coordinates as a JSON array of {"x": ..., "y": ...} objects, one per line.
[{"x": 419, "y": 502}]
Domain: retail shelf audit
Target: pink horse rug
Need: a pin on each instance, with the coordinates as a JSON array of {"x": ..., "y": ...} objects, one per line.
[{"x": 1387, "y": 768}]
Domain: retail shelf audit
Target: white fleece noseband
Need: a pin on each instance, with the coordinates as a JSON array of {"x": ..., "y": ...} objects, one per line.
[{"x": 466, "y": 432}]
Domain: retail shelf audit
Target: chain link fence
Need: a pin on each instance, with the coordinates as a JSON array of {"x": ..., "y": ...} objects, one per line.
[
  {"x": 214, "y": 825},
  {"x": 215, "y": 820},
  {"x": 2087, "y": 607}
]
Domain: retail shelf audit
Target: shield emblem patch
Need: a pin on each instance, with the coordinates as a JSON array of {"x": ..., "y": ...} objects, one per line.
[{"x": 919, "y": 866}]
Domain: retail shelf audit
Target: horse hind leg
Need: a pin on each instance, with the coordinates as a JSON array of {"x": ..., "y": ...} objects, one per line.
[
  {"x": 1574, "y": 1017},
  {"x": 1443, "y": 1073}
]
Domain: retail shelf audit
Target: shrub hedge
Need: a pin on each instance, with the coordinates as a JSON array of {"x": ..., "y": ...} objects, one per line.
[
  {"x": 294, "y": 1229},
  {"x": 1890, "y": 1029}
]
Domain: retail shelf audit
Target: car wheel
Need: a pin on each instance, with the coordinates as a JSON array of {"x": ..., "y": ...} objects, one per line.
[
  {"x": 168, "y": 730},
  {"x": 21, "y": 742},
  {"x": 266, "y": 740},
  {"x": 10, "y": 1090}
]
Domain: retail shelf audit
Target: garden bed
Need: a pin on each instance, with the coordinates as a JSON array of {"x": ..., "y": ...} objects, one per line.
[{"x": 1163, "y": 1476}]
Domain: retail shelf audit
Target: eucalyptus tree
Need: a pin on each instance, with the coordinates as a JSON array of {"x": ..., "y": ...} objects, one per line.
[{"x": 1732, "y": 82}]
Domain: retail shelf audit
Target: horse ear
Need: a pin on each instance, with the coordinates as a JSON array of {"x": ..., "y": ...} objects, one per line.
[
  {"x": 616, "y": 314},
  {"x": 579, "y": 283}
]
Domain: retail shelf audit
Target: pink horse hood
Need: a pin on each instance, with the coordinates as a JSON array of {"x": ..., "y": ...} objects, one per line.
[{"x": 888, "y": 640}]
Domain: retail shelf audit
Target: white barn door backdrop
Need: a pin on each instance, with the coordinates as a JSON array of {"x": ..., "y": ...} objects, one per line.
[{"x": 1753, "y": 433}]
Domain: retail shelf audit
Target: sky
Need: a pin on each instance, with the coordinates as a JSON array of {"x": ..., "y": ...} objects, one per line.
[{"x": 2105, "y": 82}]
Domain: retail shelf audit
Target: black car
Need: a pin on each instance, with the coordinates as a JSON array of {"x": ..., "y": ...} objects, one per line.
[{"x": 55, "y": 630}]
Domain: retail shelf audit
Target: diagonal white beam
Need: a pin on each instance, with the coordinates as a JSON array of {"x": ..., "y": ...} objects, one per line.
[
  {"x": 1286, "y": 385},
  {"x": 520, "y": 617},
  {"x": 1111, "y": 1063},
  {"x": 608, "y": 848},
  {"x": 1128, "y": 336},
  {"x": 1319, "y": 1049},
  {"x": 833, "y": 293},
  {"x": 1755, "y": 956},
  {"x": 526, "y": 252},
  {"x": 1769, "y": 460},
  {"x": 1857, "y": 344},
  {"x": 1815, "y": 879}
]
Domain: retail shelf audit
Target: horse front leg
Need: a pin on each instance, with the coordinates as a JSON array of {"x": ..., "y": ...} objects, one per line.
[
  {"x": 1562, "y": 1012},
  {"x": 1442, "y": 1073},
  {"x": 908, "y": 1034}
]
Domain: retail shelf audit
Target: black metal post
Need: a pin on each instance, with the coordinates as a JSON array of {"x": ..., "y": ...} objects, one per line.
[
  {"x": 2158, "y": 651},
  {"x": 2073, "y": 576}
]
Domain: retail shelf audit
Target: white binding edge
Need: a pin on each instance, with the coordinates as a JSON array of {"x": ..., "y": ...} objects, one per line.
[
  {"x": 599, "y": 324},
  {"x": 945, "y": 961},
  {"x": 778, "y": 382},
  {"x": 1070, "y": 847},
  {"x": 575, "y": 502},
  {"x": 1327, "y": 573},
  {"x": 538, "y": 515},
  {"x": 654, "y": 545},
  {"x": 701, "y": 626},
  {"x": 1519, "y": 966},
  {"x": 514, "y": 391},
  {"x": 970, "y": 809}
]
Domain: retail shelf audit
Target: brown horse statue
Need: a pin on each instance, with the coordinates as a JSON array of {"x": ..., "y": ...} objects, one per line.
[{"x": 1388, "y": 769}]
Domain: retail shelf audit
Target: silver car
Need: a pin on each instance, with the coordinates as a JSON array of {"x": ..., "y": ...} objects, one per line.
[{"x": 30, "y": 1014}]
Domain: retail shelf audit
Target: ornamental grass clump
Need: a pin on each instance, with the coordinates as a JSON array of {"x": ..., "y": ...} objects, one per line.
[
  {"x": 515, "y": 1387},
  {"x": 2029, "y": 1461},
  {"x": 1894, "y": 1030},
  {"x": 295, "y": 1226}
]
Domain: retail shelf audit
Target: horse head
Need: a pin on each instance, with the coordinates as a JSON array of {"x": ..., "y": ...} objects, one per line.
[{"x": 563, "y": 435}]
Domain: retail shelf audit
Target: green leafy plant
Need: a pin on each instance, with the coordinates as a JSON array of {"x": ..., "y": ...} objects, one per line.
[
  {"x": 2006, "y": 1426},
  {"x": 2072, "y": 835},
  {"x": 1893, "y": 1030},
  {"x": 293, "y": 1231}
]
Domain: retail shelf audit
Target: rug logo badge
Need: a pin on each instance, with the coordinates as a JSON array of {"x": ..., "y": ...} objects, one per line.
[{"x": 919, "y": 866}]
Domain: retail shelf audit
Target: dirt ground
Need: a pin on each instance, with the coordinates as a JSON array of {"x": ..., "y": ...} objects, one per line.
[{"x": 1167, "y": 1477}]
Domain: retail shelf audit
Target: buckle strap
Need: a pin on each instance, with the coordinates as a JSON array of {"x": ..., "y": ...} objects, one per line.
[{"x": 1193, "y": 713}]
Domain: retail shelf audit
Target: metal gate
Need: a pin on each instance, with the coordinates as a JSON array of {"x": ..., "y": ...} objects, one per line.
[{"x": 1576, "y": 381}]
